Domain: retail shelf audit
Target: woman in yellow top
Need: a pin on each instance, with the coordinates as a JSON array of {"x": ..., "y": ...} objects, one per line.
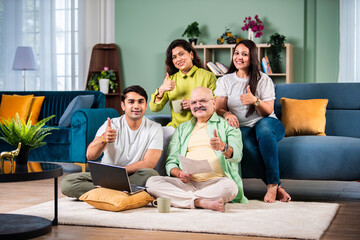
[{"x": 184, "y": 72}]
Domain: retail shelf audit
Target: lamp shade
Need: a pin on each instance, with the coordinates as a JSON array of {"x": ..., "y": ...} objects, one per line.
[{"x": 24, "y": 59}]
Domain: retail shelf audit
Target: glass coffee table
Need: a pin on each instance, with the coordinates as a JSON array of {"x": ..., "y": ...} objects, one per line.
[{"x": 27, "y": 226}]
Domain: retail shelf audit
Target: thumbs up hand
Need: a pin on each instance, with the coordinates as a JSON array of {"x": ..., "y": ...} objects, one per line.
[
  {"x": 216, "y": 142},
  {"x": 168, "y": 85},
  {"x": 110, "y": 134},
  {"x": 247, "y": 98}
]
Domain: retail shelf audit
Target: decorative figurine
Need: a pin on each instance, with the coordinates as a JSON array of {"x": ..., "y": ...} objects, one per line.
[
  {"x": 228, "y": 38},
  {"x": 9, "y": 156}
]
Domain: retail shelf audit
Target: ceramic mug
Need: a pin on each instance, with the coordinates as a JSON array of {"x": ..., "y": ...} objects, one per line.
[
  {"x": 177, "y": 106},
  {"x": 162, "y": 204}
]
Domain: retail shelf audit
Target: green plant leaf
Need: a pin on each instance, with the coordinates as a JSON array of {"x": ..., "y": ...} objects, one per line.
[
  {"x": 276, "y": 42},
  {"x": 15, "y": 130},
  {"x": 192, "y": 30}
]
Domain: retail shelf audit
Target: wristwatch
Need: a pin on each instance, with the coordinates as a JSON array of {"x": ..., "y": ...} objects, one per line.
[
  {"x": 257, "y": 102},
  {"x": 226, "y": 148}
]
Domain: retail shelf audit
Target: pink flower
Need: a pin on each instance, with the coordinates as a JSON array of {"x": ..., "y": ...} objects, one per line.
[
  {"x": 255, "y": 25},
  {"x": 106, "y": 68}
]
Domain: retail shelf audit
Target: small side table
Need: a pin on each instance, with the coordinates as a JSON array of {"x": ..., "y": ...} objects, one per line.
[{"x": 25, "y": 226}]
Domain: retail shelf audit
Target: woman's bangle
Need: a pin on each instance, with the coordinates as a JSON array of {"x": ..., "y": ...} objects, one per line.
[{"x": 102, "y": 137}]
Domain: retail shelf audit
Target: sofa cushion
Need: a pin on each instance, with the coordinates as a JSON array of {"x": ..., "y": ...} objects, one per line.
[
  {"x": 59, "y": 136},
  {"x": 10, "y": 105},
  {"x": 35, "y": 109},
  {"x": 113, "y": 200},
  {"x": 84, "y": 101},
  {"x": 319, "y": 158},
  {"x": 303, "y": 117}
]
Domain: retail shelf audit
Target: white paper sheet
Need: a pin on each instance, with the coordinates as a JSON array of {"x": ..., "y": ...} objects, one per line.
[{"x": 195, "y": 166}]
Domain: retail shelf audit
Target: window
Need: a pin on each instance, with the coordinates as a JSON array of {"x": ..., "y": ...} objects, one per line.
[
  {"x": 349, "y": 70},
  {"x": 50, "y": 27},
  {"x": 67, "y": 51}
]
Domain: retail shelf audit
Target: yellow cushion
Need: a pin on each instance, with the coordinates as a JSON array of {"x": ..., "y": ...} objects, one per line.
[
  {"x": 10, "y": 105},
  {"x": 303, "y": 117},
  {"x": 113, "y": 200},
  {"x": 35, "y": 109}
]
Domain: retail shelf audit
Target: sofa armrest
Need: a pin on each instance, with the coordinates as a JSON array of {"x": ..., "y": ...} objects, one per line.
[{"x": 84, "y": 125}]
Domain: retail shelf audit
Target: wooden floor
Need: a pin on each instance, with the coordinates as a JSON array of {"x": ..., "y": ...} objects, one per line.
[{"x": 346, "y": 224}]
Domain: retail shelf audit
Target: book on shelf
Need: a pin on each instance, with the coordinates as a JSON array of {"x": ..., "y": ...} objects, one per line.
[
  {"x": 265, "y": 66},
  {"x": 214, "y": 68},
  {"x": 221, "y": 67},
  {"x": 268, "y": 63}
]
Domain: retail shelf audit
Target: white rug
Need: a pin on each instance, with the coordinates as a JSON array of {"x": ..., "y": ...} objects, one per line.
[{"x": 305, "y": 220}]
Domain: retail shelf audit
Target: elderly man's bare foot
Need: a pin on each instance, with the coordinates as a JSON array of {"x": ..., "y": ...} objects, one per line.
[
  {"x": 283, "y": 195},
  {"x": 270, "y": 195},
  {"x": 216, "y": 205}
]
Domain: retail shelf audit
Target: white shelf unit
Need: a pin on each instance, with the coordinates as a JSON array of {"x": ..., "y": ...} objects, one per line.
[{"x": 208, "y": 53}]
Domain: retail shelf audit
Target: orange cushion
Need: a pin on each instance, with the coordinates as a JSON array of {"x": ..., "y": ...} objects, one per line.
[
  {"x": 113, "y": 200},
  {"x": 35, "y": 109},
  {"x": 10, "y": 105},
  {"x": 303, "y": 117}
]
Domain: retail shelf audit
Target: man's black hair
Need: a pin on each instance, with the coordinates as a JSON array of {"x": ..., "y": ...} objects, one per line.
[{"x": 134, "y": 88}]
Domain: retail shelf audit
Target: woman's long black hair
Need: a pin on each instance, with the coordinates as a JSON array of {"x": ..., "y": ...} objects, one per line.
[{"x": 254, "y": 69}]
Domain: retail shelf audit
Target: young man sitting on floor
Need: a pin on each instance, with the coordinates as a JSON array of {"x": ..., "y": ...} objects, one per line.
[
  {"x": 131, "y": 141},
  {"x": 206, "y": 136}
]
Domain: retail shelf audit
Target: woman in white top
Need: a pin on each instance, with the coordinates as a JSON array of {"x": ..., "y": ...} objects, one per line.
[{"x": 245, "y": 98}]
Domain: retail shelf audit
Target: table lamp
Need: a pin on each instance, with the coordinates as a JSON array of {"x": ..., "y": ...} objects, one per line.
[{"x": 24, "y": 60}]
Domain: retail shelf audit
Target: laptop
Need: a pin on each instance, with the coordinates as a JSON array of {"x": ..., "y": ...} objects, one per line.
[{"x": 114, "y": 177}]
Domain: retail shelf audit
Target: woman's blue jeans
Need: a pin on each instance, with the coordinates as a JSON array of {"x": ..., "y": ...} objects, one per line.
[{"x": 261, "y": 148}]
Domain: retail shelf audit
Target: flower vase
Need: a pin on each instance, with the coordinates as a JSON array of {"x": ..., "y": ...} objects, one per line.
[
  {"x": 250, "y": 34},
  {"x": 104, "y": 85}
]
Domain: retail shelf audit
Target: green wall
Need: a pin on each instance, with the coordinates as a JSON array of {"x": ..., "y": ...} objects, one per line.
[{"x": 144, "y": 29}]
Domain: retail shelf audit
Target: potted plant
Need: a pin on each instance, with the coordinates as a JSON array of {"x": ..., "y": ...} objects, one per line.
[
  {"x": 276, "y": 44},
  {"x": 15, "y": 130},
  {"x": 104, "y": 74},
  {"x": 192, "y": 32}
]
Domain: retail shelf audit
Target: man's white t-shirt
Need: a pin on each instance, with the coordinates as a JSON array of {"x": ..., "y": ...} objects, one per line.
[{"x": 131, "y": 145}]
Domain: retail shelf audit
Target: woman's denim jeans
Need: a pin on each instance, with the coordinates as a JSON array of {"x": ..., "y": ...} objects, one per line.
[{"x": 261, "y": 148}]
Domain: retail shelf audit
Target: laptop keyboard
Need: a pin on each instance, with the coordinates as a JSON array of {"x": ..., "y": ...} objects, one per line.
[{"x": 135, "y": 188}]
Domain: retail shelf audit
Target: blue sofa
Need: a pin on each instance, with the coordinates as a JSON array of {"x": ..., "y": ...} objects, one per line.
[
  {"x": 67, "y": 144},
  {"x": 335, "y": 156}
]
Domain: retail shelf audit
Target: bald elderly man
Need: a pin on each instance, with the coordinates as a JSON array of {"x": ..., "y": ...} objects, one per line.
[{"x": 205, "y": 136}]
